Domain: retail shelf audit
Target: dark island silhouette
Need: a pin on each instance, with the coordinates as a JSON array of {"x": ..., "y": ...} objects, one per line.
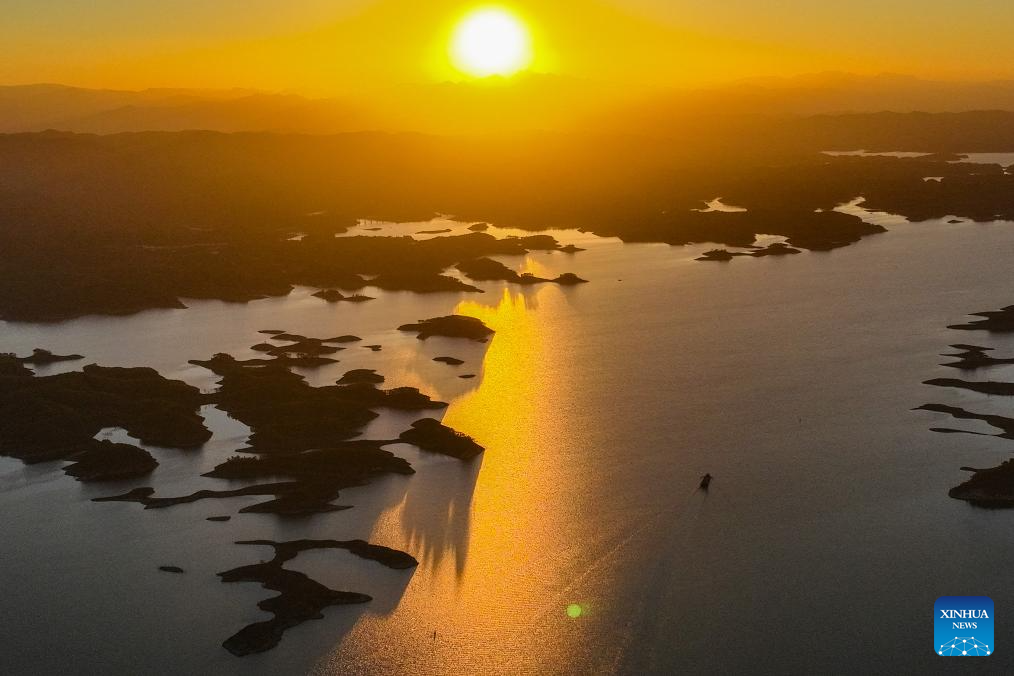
[
  {"x": 288, "y": 350},
  {"x": 361, "y": 377},
  {"x": 286, "y": 414},
  {"x": 300, "y": 598},
  {"x": 486, "y": 269},
  {"x": 303, "y": 434},
  {"x": 775, "y": 249},
  {"x": 57, "y": 417},
  {"x": 973, "y": 357},
  {"x": 106, "y": 461},
  {"x": 41, "y": 357},
  {"x": 998, "y": 421},
  {"x": 301, "y": 452},
  {"x": 995, "y": 321},
  {"x": 984, "y": 387},
  {"x": 429, "y": 435},
  {"x": 991, "y": 487},
  {"x": 336, "y": 296},
  {"x": 452, "y": 326},
  {"x": 165, "y": 236},
  {"x": 312, "y": 479}
]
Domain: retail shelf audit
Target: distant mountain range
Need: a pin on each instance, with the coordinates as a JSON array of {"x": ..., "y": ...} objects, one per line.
[
  {"x": 819, "y": 94},
  {"x": 42, "y": 107},
  {"x": 532, "y": 102}
]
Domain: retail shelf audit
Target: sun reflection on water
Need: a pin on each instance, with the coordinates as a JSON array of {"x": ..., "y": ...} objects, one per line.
[
  {"x": 507, "y": 392},
  {"x": 482, "y": 531},
  {"x": 437, "y": 528},
  {"x": 534, "y": 266}
]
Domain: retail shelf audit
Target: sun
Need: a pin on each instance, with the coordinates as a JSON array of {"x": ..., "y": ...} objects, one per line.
[{"x": 491, "y": 41}]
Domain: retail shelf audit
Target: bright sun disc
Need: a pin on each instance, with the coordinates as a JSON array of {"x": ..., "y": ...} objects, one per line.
[{"x": 491, "y": 42}]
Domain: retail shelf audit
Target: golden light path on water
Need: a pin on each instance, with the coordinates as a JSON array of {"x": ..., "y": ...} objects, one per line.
[{"x": 480, "y": 583}]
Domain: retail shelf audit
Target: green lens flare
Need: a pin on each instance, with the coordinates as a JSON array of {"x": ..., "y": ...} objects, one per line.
[{"x": 574, "y": 611}]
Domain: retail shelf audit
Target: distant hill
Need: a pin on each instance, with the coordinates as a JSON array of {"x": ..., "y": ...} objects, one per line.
[
  {"x": 42, "y": 107},
  {"x": 525, "y": 103},
  {"x": 836, "y": 93},
  {"x": 673, "y": 112},
  {"x": 520, "y": 104}
]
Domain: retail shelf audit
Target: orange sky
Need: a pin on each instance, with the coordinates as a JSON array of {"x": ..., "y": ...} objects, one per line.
[{"x": 335, "y": 46}]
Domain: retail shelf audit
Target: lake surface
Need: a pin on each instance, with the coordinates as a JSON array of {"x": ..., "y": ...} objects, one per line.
[
  {"x": 1003, "y": 159},
  {"x": 824, "y": 540}
]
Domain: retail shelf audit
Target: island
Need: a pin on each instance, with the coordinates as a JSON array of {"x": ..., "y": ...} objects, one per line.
[
  {"x": 992, "y": 487},
  {"x": 302, "y": 449},
  {"x": 972, "y": 357},
  {"x": 40, "y": 357},
  {"x": 299, "y": 597},
  {"x": 452, "y": 326},
  {"x": 106, "y": 461},
  {"x": 995, "y": 321},
  {"x": 57, "y": 417},
  {"x": 998, "y": 421},
  {"x": 775, "y": 249},
  {"x": 429, "y": 435},
  {"x": 984, "y": 387},
  {"x": 336, "y": 296},
  {"x": 361, "y": 377},
  {"x": 487, "y": 269}
]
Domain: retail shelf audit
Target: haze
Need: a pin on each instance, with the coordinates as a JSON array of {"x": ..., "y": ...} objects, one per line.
[{"x": 333, "y": 48}]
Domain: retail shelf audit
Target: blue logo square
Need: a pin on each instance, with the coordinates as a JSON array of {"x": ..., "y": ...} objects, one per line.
[{"x": 963, "y": 626}]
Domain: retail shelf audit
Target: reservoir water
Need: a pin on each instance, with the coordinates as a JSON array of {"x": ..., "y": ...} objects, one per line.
[{"x": 577, "y": 542}]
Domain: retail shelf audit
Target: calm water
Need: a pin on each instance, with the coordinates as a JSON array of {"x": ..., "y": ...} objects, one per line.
[
  {"x": 1003, "y": 159},
  {"x": 825, "y": 539}
]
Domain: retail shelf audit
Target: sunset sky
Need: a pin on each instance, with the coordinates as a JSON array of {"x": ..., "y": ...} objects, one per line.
[{"x": 334, "y": 46}]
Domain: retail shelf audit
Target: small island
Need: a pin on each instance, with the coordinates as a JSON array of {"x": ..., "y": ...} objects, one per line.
[
  {"x": 40, "y": 357},
  {"x": 299, "y": 598},
  {"x": 992, "y": 487},
  {"x": 973, "y": 357},
  {"x": 995, "y": 321},
  {"x": 453, "y": 326},
  {"x": 487, "y": 269},
  {"x": 106, "y": 461},
  {"x": 775, "y": 249},
  {"x": 429, "y": 435},
  {"x": 361, "y": 377},
  {"x": 336, "y": 296}
]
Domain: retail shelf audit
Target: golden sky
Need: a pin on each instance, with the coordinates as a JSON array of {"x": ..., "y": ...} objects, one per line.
[{"x": 335, "y": 46}]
